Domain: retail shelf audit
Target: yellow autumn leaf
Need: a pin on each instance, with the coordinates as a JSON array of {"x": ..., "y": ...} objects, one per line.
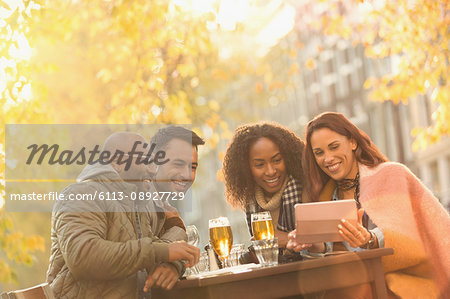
[
  {"x": 221, "y": 155},
  {"x": 223, "y": 125},
  {"x": 293, "y": 53},
  {"x": 294, "y": 69},
  {"x": 214, "y": 105},
  {"x": 368, "y": 83},
  {"x": 310, "y": 64},
  {"x": 219, "y": 176},
  {"x": 259, "y": 87},
  {"x": 213, "y": 140}
]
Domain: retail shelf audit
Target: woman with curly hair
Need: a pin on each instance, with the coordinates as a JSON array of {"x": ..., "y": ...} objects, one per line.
[{"x": 263, "y": 172}]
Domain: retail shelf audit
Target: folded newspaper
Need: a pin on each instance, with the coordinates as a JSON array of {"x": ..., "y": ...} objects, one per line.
[{"x": 229, "y": 270}]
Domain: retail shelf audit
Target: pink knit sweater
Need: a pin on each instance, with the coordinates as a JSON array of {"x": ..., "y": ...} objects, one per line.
[{"x": 415, "y": 224}]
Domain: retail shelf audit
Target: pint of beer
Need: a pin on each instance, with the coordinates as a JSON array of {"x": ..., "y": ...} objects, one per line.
[
  {"x": 221, "y": 236},
  {"x": 262, "y": 226}
]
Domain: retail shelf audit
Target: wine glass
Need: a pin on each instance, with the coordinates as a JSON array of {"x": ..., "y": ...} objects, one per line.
[
  {"x": 221, "y": 237},
  {"x": 193, "y": 237},
  {"x": 262, "y": 226}
]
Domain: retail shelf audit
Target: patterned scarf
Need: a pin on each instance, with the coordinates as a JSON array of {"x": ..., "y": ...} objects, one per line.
[
  {"x": 290, "y": 196},
  {"x": 269, "y": 203}
]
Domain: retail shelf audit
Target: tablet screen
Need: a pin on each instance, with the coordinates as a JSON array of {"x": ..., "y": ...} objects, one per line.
[{"x": 318, "y": 221}]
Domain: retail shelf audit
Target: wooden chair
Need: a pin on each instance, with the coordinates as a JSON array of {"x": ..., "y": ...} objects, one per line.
[
  {"x": 4, "y": 296},
  {"x": 42, "y": 291}
]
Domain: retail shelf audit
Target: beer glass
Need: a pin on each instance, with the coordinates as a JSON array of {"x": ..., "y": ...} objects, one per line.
[
  {"x": 221, "y": 237},
  {"x": 262, "y": 226}
]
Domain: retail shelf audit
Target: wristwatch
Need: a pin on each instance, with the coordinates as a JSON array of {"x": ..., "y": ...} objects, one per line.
[{"x": 371, "y": 241}]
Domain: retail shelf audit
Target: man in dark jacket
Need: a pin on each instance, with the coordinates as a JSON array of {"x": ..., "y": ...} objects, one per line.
[{"x": 99, "y": 246}]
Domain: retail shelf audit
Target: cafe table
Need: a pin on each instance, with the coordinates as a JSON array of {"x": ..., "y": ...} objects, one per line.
[{"x": 302, "y": 277}]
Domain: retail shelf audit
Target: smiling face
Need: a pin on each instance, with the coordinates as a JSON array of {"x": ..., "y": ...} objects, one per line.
[
  {"x": 178, "y": 174},
  {"x": 267, "y": 165},
  {"x": 334, "y": 154}
]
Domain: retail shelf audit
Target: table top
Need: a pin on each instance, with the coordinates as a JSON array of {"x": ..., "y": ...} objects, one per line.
[{"x": 329, "y": 260}]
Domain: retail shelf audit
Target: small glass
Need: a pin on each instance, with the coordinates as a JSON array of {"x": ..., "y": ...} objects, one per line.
[
  {"x": 236, "y": 251},
  {"x": 262, "y": 226},
  {"x": 266, "y": 251},
  {"x": 203, "y": 263},
  {"x": 221, "y": 237}
]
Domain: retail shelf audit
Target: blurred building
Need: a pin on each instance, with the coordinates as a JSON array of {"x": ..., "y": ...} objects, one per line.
[{"x": 335, "y": 83}]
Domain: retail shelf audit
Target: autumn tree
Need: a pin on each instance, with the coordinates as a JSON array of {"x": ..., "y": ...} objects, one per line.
[
  {"x": 129, "y": 61},
  {"x": 17, "y": 107},
  {"x": 416, "y": 34},
  {"x": 107, "y": 62},
  {"x": 97, "y": 62}
]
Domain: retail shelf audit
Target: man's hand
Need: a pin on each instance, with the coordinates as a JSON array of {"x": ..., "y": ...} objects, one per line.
[
  {"x": 183, "y": 251},
  {"x": 164, "y": 276}
]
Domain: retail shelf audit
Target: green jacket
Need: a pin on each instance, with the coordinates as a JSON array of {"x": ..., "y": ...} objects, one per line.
[{"x": 96, "y": 250}]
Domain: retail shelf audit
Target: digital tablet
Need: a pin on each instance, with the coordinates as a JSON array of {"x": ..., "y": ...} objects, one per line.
[{"x": 318, "y": 221}]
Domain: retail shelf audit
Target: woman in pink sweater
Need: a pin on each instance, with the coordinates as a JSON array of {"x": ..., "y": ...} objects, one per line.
[{"x": 395, "y": 209}]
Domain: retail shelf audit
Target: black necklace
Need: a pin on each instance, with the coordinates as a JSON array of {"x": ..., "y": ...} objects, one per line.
[{"x": 348, "y": 184}]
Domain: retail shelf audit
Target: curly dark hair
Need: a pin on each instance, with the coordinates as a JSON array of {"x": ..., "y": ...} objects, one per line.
[{"x": 239, "y": 182}]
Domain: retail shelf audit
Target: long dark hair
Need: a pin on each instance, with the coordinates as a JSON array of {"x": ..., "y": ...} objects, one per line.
[
  {"x": 366, "y": 152},
  {"x": 239, "y": 182}
]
